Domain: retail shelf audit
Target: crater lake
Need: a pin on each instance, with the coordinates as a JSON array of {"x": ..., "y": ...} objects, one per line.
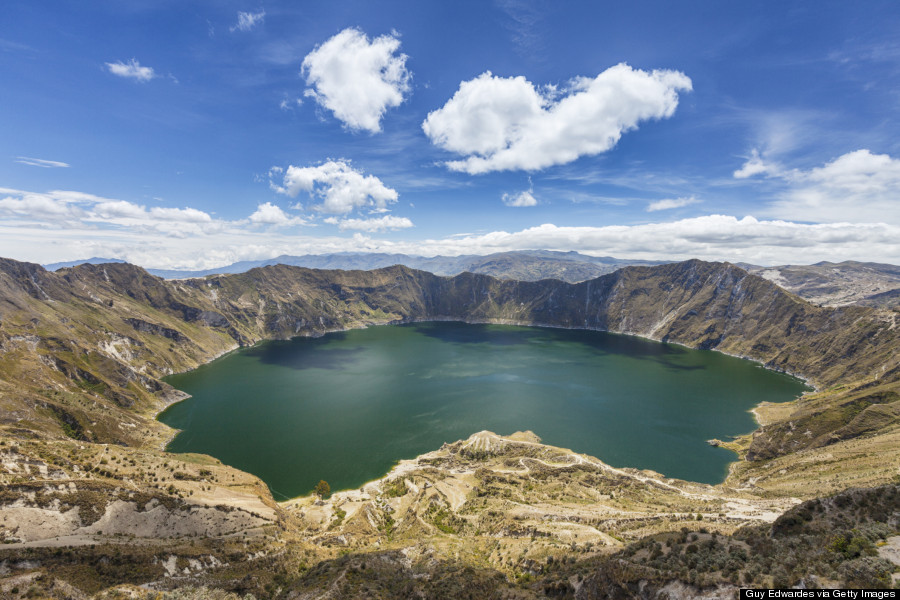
[{"x": 347, "y": 406}]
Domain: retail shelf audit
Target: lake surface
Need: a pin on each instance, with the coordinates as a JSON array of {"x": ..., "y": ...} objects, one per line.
[{"x": 347, "y": 406}]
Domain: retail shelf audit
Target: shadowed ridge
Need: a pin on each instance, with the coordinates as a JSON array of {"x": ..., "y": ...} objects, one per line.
[
  {"x": 721, "y": 306},
  {"x": 28, "y": 278},
  {"x": 120, "y": 277},
  {"x": 271, "y": 273},
  {"x": 116, "y": 279},
  {"x": 12, "y": 267}
]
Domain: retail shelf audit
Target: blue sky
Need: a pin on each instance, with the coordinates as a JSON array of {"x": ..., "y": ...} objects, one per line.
[{"x": 195, "y": 134}]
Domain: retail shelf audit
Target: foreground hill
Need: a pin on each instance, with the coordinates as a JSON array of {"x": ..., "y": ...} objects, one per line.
[
  {"x": 486, "y": 517},
  {"x": 82, "y": 351}
]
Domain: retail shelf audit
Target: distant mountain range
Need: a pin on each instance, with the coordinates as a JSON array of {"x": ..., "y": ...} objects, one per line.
[
  {"x": 526, "y": 265},
  {"x": 96, "y": 260}
]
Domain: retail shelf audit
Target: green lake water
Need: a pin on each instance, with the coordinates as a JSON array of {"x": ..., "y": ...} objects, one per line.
[{"x": 347, "y": 406}]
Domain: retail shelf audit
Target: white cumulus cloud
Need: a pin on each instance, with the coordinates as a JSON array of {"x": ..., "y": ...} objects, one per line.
[
  {"x": 41, "y": 208},
  {"x": 87, "y": 225},
  {"x": 247, "y": 21},
  {"x": 388, "y": 222},
  {"x": 270, "y": 214},
  {"x": 857, "y": 187},
  {"x": 523, "y": 198},
  {"x": 357, "y": 79},
  {"x": 118, "y": 209},
  {"x": 131, "y": 70},
  {"x": 62, "y": 209},
  {"x": 755, "y": 165},
  {"x": 502, "y": 124},
  {"x": 340, "y": 187},
  {"x": 712, "y": 237},
  {"x": 184, "y": 215},
  {"x": 670, "y": 203}
]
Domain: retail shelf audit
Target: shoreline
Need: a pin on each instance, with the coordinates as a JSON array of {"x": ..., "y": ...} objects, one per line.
[{"x": 512, "y": 322}]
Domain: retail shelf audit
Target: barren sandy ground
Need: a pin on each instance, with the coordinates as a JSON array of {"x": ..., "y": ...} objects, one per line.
[
  {"x": 35, "y": 526},
  {"x": 891, "y": 552}
]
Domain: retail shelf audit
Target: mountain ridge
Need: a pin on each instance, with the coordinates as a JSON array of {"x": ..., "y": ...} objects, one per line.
[{"x": 825, "y": 283}]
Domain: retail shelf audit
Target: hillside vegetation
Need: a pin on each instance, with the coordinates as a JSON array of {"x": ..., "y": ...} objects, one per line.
[{"x": 82, "y": 352}]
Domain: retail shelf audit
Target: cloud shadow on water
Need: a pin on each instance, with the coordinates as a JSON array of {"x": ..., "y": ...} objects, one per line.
[
  {"x": 478, "y": 333},
  {"x": 604, "y": 343},
  {"x": 307, "y": 353},
  {"x": 600, "y": 343}
]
